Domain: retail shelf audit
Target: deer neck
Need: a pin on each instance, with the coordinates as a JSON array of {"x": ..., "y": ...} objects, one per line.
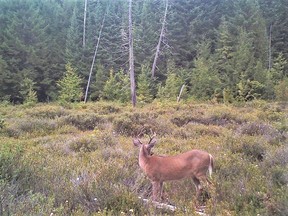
[{"x": 143, "y": 157}]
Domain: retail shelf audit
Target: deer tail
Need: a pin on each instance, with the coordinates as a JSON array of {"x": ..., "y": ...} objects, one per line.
[{"x": 211, "y": 165}]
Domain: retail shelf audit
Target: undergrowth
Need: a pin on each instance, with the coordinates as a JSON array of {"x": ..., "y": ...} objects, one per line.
[{"x": 79, "y": 159}]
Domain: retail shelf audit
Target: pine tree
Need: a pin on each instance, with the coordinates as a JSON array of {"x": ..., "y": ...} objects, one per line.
[
  {"x": 277, "y": 70},
  {"x": 73, "y": 50},
  {"x": 97, "y": 87},
  {"x": 172, "y": 85},
  {"x": 281, "y": 90},
  {"x": 204, "y": 78},
  {"x": 27, "y": 91},
  {"x": 144, "y": 85},
  {"x": 224, "y": 54},
  {"x": 70, "y": 86},
  {"x": 124, "y": 86},
  {"x": 111, "y": 88}
]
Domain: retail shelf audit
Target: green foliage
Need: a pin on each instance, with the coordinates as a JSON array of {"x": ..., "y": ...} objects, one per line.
[
  {"x": 281, "y": 90},
  {"x": 144, "y": 86},
  {"x": 2, "y": 122},
  {"x": 172, "y": 85},
  {"x": 277, "y": 71},
  {"x": 53, "y": 36},
  {"x": 110, "y": 90},
  {"x": 70, "y": 86},
  {"x": 124, "y": 86},
  {"x": 98, "y": 86},
  {"x": 28, "y": 92},
  {"x": 85, "y": 121},
  {"x": 117, "y": 87},
  {"x": 204, "y": 78}
]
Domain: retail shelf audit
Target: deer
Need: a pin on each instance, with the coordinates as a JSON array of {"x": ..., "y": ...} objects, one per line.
[{"x": 194, "y": 164}]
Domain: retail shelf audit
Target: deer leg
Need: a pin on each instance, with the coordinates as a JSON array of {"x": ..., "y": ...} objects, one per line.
[
  {"x": 197, "y": 186},
  {"x": 156, "y": 189},
  {"x": 162, "y": 191}
]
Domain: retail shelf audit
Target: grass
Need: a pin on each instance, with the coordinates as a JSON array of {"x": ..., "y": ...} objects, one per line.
[{"x": 79, "y": 159}]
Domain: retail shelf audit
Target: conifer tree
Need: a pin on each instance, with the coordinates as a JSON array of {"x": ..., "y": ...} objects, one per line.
[
  {"x": 172, "y": 85},
  {"x": 70, "y": 85},
  {"x": 224, "y": 54},
  {"x": 124, "y": 86},
  {"x": 204, "y": 78},
  {"x": 277, "y": 71},
  {"x": 111, "y": 88},
  {"x": 97, "y": 87},
  {"x": 74, "y": 41},
  {"x": 27, "y": 91},
  {"x": 144, "y": 85}
]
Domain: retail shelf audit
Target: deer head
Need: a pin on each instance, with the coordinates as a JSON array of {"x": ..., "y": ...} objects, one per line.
[{"x": 146, "y": 148}]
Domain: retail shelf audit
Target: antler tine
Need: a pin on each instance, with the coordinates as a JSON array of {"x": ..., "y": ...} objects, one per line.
[
  {"x": 153, "y": 136},
  {"x": 139, "y": 134}
]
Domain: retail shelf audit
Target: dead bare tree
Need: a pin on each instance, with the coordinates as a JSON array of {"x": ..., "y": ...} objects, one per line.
[
  {"x": 270, "y": 48},
  {"x": 84, "y": 23},
  {"x": 131, "y": 57},
  {"x": 94, "y": 57},
  {"x": 160, "y": 40}
]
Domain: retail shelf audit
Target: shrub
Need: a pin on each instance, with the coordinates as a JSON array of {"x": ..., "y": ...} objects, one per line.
[
  {"x": 124, "y": 202},
  {"x": 195, "y": 130},
  {"x": 132, "y": 124},
  {"x": 10, "y": 154},
  {"x": 241, "y": 182},
  {"x": 250, "y": 148},
  {"x": 85, "y": 121},
  {"x": 47, "y": 111},
  {"x": 84, "y": 144},
  {"x": 272, "y": 135},
  {"x": 23, "y": 126},
  {"x": 29, "y": 204},
  {"x": 93, "y": 142},
  {"x": 1, "y": 122}
]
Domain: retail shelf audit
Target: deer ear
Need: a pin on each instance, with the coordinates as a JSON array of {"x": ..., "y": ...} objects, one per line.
[{"x": 137, "y": 142}]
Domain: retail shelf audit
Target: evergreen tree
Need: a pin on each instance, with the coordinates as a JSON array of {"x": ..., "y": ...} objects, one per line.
[
  {"x": 27, "y": 91},
  {"x": 98, "y": 86},
  {"x": 204, "y": 78},
  {"x": 277, "y": 71},
  {"x": 111, "y": 88},
  {"x": 281, "y": 90},
  {"x": 70, "y": 86},
  {"x": 144, "y": 85},
  {"x": 172, "y": 85},
  {"x": 249, "y": 17},
  {"x": 124, "y": 86},
  {"x": 224, "y": 54},
  {"x": 74, "y": 41},
  {"x": 24, "y": 44}
]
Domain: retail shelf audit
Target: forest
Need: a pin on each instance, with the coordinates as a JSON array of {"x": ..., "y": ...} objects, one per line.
[{"x": 217, "y": 50}]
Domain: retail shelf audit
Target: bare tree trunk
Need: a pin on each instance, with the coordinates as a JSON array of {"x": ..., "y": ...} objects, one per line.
[
  {"x": 131, "y": 57},
  {"x": 180, "y": 93},
  {"x": 84, "y": 23},
  {"x": 160, "y": 40},
  {"x": 270, "y": 48},
  {"x": 94, "y": 57}
]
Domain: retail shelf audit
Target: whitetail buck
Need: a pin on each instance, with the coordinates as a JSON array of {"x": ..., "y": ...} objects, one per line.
[{"x": 194, "y": 164}]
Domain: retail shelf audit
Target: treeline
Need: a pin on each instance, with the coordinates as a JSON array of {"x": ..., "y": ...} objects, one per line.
[{"x": 217, "y": 49}]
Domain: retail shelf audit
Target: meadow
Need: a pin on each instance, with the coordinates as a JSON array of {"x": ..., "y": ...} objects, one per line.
[{"x": 79, "y": 159}]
